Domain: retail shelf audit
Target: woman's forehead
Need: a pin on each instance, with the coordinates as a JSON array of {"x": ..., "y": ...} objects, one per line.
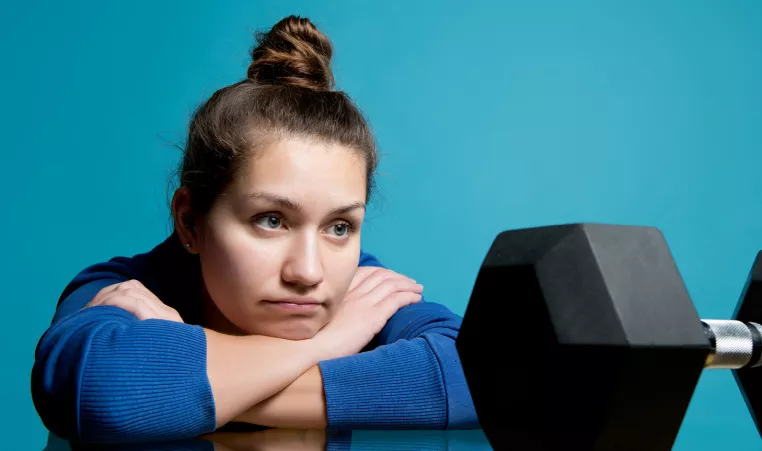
[
  {"x": 305, "y": 171},
  {"x": 293, "y": 158}
]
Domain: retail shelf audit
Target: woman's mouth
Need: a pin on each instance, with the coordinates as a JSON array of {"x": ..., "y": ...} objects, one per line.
[{"x": 300, "y": 305}]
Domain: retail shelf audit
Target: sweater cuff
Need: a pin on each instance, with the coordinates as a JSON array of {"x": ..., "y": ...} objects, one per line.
[
  {"x": 460, "y": 405},
  {"x": 146, "y": 381},
  {"x": 397, "y": 386}
]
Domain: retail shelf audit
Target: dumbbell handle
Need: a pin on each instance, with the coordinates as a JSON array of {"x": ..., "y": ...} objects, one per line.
[{"x": 735, "y": 344}]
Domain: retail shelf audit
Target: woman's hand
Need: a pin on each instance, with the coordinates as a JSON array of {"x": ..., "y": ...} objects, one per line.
[
  {"x": 134, "y": 297},
  {"x": 374, "y": 295}
]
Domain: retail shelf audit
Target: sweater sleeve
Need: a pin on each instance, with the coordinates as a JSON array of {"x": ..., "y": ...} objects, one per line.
[
  {"x": 415, "y": 374},
  {"x": 100, "y": 375}
]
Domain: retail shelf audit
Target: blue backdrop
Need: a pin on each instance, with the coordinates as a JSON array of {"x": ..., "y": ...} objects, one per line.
[{"x": 490, "y": 115}]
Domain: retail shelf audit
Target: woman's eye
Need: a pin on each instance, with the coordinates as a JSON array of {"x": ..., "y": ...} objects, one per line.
[
  {"x": 341, "y": 229},
  {"x": 268, "y": 221}
]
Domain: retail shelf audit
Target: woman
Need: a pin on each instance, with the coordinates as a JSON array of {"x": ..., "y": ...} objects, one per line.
[{"x": 255, "y": 309}]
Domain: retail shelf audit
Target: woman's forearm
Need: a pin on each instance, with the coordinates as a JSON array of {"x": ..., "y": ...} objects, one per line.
[
  {"x": 301, "y": 405},
  {"x": 245, "y": 371}
]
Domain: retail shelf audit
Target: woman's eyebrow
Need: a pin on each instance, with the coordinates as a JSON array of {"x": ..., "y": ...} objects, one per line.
[
  {"x": 296, "y": 207},
  {"x": 347, "y": 208}
]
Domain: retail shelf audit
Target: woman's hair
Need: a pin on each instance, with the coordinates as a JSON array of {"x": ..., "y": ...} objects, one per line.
[{"x": 287, "y": 93}]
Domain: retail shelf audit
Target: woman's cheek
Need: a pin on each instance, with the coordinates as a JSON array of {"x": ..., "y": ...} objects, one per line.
[{"x": 232, "y": 283}]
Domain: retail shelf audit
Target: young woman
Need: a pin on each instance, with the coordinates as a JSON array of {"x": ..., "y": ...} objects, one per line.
[{"x": 260, "y": 307}]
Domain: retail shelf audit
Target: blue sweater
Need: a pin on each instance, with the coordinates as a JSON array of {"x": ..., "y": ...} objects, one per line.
[{"x": 101, "y": 375}]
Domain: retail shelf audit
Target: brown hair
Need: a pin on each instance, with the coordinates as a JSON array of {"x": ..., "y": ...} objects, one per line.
[{"x": 287, "y": 92}]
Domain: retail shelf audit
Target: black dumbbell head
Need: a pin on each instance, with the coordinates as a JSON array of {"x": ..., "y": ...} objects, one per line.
[
  {"x": 749, "y": 309},
  {"x": 581, "y": 336}
]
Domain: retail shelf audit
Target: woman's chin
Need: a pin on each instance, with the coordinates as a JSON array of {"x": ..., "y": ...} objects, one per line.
[
  {"x": 294, "y": 335},
  {"x": 287, "y": 331}
]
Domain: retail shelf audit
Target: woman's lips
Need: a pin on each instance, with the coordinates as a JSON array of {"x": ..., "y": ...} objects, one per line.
[{"x": 296, "y": 305}]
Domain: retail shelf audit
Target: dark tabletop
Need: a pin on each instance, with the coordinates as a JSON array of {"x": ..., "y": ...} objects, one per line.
[{"x": 305, "y": 440}]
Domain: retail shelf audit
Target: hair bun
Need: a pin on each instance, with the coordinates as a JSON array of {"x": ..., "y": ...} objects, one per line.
[{"x": 293, "y": 53}]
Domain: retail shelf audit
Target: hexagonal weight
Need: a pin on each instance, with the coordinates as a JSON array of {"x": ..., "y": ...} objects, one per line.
[
  {"x": 581, "y": 336},
  {"x": 749, "y": 309}
]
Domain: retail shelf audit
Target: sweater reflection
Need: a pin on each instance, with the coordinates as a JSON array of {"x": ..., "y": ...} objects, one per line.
[{"x": 303, "y": 440}]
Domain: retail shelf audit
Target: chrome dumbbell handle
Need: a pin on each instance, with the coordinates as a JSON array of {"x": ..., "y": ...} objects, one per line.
[{"x": 735, "y": 344}]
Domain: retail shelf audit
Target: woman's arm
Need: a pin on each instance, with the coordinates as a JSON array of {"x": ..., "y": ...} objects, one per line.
[
  {"x": 413, "y": 379},
  {"x": 245, "y": 371},
  {"x": 301, "y": 405},
  {"x": 399, "y": 385},
  {"x": 102, "y": 375}
]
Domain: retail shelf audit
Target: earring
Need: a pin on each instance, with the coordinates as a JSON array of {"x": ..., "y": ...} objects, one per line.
[{"x": 188, "y": 246}]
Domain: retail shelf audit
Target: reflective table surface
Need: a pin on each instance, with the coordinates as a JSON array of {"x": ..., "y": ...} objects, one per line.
[{"x": 306, "y": 440}]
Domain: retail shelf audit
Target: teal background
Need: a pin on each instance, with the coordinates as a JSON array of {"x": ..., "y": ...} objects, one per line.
[{"x": 489, "y": 115}]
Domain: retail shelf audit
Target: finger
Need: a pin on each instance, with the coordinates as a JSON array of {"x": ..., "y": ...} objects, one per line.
[
  {"x": 162, "y": 310},
  {"x": 138, "y": 286},
  {"x": 376, "y": 279},
  {"x": 362, "y": 274},
  {"x": 134, "y": 283},
  {"x": 177, "y": 318},
  {"x": 98, "y": 298},
  {"x": 171, "y": 314},
  {"x": 127, "y": 284},
  {"x": 143, "y": 292},
  {"x": 135, "y": 302},
  {"x": 132, "y": 304},
  {"x": 141, "y": 309},
  {"x": 150, "y": 306},
  {"x": 393, "y": 285},
  {"x": 155, "y": 303}
]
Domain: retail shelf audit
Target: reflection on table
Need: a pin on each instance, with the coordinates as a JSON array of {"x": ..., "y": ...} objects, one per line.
[{"x": 304, "y": 440}]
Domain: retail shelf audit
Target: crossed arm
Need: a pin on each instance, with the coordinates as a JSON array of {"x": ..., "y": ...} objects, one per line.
[{"x": 81, "y": 392}]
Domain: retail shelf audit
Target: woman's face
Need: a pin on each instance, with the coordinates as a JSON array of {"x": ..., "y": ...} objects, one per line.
[{"x": 279, "y": 249}]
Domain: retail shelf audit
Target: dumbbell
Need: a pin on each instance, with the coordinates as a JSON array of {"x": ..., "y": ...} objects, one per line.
[{"x": 584, "y": 337}]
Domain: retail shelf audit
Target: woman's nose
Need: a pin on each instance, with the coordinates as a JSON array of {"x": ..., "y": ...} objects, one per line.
[{"x": 303, "y": 265}]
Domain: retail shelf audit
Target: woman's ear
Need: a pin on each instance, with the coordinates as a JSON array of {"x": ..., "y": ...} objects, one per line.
[{"x": 185, "y": 221}]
